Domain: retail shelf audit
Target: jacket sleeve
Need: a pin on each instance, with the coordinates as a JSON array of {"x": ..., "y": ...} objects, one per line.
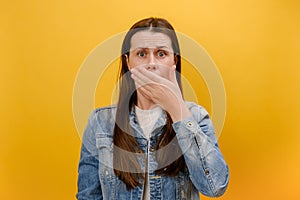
[
  {"x": 207, "y": 168},
  {"x": 88, "y": 179}
]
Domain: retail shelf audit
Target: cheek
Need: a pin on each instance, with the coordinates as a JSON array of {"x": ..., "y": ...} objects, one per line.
[
  {"x": 133, "y": 62},
  {"x": 164, "y": 70},
  {"x": 170, "y": 61}
]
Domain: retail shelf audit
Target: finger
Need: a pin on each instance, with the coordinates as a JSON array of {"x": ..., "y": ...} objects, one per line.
[
  {"x": 148, "y": 92},
  {"x": 140, "y": 82},
  {"x": 145, "y": 92},
  {"x": 140, "y": 77},
  {"x": 149, "y": 76}
]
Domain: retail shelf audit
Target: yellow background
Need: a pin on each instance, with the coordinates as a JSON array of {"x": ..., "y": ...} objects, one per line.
[{"x": 255, "y": 44}]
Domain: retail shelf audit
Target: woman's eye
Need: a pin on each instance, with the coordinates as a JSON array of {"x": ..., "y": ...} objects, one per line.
[
  {"x": 161, "y": 54},
  {"x": 141, "y": 54}
]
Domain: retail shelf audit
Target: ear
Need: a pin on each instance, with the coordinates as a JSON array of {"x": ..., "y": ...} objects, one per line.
[
  {"x": 127, "y": 61},
  {"x": 175, "y": 59}
]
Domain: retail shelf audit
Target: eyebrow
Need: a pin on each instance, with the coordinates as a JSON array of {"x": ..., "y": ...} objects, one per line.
[{"x": 157, "y": 47}]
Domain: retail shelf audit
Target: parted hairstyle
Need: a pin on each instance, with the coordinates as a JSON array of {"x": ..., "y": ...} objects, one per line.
[{"x": 125, "y": 154}]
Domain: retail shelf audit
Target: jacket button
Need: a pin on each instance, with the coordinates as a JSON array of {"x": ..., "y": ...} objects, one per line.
[
  {"x": 152, "y": 149},
  {"x": 206, "y": 171},
  {"x": 189, "y": 123},
  {"x": 139, "y": 151}
]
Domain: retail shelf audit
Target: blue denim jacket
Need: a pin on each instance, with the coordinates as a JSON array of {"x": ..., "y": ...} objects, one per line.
[{"x": 206, "y": 172}]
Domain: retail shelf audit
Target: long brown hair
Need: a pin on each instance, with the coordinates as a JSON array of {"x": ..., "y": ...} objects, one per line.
[{"x": 125, "y": 156}]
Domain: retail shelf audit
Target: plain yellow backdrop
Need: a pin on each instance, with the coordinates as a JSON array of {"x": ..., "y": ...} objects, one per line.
[{"x": 255, "y": 44}]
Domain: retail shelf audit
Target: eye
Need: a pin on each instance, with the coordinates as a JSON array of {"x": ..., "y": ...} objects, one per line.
[
  {"x": 141, "y": 54},
  {"x": 161, "y": 53}
]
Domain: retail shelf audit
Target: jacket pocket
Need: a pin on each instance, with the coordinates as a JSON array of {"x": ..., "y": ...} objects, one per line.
[{"x": 185, "y": 188}]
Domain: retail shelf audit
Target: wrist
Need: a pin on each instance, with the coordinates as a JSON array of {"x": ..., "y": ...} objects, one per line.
[{"x": 180, "y": 112}]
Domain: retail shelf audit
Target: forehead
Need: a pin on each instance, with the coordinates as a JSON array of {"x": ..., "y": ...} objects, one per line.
[{"x": 148, "y": 39}]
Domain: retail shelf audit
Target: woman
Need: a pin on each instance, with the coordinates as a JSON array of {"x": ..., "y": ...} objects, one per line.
[{"x": 152, "y": 144}]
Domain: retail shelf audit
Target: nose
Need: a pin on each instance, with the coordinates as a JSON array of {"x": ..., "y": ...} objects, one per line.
[
  {"x": 151, "y": 67},
  {"x": 152, "y": 63}
]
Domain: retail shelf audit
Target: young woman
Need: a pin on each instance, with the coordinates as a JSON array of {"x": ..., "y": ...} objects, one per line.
[{"x": 152, "y": 144}]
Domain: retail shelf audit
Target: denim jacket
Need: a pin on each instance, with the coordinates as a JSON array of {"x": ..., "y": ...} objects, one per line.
[{"x": 207, "y": 171}]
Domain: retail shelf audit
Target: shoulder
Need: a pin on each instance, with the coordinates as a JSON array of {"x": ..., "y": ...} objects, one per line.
[
  {"x": 103, "y": 118},
  {"x": 106, "y": 110}
]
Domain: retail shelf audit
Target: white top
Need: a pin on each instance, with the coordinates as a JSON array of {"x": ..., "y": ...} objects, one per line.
[{"x": 147, "y": 120}]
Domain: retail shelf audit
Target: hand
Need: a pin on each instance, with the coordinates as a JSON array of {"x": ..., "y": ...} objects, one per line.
[{"x": 162, "y": 90}]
